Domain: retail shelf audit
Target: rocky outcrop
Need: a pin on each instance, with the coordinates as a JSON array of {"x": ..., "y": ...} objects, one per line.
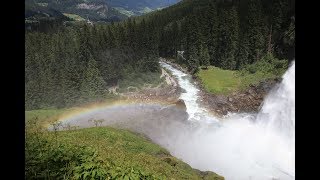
[
  {"x": 168, "y": 91},
  {"x": 90, "y": 6},
  {"x": 248, "y": 100},
  {"x": 180, "y": 104},
  {"x": 175, "y": 65},
  {"x": 167, "y": 94},
  {"x": 169, "y": 80}
]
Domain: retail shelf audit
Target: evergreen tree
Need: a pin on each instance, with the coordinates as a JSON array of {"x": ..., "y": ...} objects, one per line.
[
  {"x": 92, "y": 86},
  {"x": 111, "y": 38},
  {"x": 212, "y": 17},
  {"x": 68, "y": 63},
  {"x": 255, "y": 30},
  {"x": 205, "y": 57},
  {"x": 131, "y": 34},
  {"x": 228, "y": 38},
  {"x": 121, "y": 38},
  {"x": 243, "y": 52},
  {"x": 176, "y": 37},
  {"x": 191, "y": 46}
]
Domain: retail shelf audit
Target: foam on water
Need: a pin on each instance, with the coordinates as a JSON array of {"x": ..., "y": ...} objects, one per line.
[
  {"x": 246, "y": 146},
  {"x": 190, "y": 95},
  {"x": 239, "y": 147}
]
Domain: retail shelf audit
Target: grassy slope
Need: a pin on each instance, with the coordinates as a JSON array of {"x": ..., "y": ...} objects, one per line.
[
  {"x": 124, "y": 148},
  {"x": 45, "y": 116},
  {"x": 124, "y": 11},
  {"x": 74, "y": 17},
  {"x": 127, "y": 149},
  {"x": 219, "y": 81}
]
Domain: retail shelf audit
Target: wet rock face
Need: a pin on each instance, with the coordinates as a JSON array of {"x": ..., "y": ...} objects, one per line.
[
  {"x": 181, "y": 104},
  {"x": 246, "y": 101},
  {"x": 267, "y": 85},
  {"x": 180, "y": 90}
]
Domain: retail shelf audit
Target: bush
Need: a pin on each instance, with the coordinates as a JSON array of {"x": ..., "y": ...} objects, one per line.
[
  {"x": 47, "y": 158},
  {"x": 267, "y": 65},
  {"x": 139, "y": 79}
]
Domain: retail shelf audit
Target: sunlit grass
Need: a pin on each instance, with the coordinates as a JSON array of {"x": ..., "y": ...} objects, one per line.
[
  {"x": 124, "y": 11},
  {"x": 74, "y": 17},
  {"x": 219, "y": 81},
  {"x": 45, "y": 116},
  {"x": 125, "y": 149}
]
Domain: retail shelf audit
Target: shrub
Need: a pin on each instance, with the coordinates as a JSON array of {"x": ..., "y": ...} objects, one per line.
[
  {"x": 268, "y": 64},
  {"x": 138, "y": 80},
  {"x": 49, "y": 159}
]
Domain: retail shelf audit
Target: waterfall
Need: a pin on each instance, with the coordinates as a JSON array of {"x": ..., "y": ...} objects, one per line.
[
  {"x": 278, "y": 110},
  {"x": 190, "y": 95},
  {"x": 245, "y": 146},
  {"x": 240, "y": 146}
]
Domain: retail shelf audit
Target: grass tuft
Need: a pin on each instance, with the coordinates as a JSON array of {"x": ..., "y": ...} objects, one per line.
[{"x": 99, "y": 153}]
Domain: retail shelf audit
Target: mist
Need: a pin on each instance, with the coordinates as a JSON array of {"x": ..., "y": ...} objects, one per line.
[{"x": 238, "y": 146}]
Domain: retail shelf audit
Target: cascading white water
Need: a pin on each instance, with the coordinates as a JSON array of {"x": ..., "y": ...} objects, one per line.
[
  {"x": 239, "y": 147},
  {"x": 190, "y": 96},
  {"x": 278, "y": 110},
  {"x": 246, "y": 146}
]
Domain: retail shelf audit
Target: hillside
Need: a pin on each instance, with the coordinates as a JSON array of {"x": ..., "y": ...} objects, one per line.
[
  {"x": 120, "y": 54},
  {"x": 226, "y": 34},
  {"x": 217, "y": 57},
  {"x": 140, "y": 7},
  {"x": 94, "y": 10},
  {"x": 98, "y": 153}
]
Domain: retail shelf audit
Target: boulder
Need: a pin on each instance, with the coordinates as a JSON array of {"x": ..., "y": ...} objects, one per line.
[
  {"x": 180, "y": 104},
  {"x": 180, "y": 90}
]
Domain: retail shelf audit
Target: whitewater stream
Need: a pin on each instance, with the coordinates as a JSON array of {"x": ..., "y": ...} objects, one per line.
[{"x": 239, "y": 147}]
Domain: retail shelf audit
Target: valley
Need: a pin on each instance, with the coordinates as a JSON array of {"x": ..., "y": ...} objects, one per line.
[
  {"x": 93, "y": 10},
  {"x": 190, "y": 89}
]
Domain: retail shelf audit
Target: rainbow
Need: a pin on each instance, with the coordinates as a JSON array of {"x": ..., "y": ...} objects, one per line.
[{"x": 91, "y": 108}]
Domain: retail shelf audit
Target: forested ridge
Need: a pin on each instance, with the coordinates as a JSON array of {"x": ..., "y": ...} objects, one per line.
[
  {"x": 231, "y": 34},
  {"x": 75, "y": 64},
  {"x": 95, "y": 10}
]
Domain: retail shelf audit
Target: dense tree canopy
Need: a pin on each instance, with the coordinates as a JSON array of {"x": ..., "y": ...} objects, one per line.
[
  {"x": 236, "y": 32},
  {"x": 77, "y": 64},
  {"x": 68, "y": 64}
]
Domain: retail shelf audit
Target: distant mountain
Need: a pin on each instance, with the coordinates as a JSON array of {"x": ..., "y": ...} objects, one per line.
[
  {"x": 140, "y": 4},
  {"x": 94, "y": 10},
  {"x": 138, "y": 7},
  {"x": 35, "y": 10}
]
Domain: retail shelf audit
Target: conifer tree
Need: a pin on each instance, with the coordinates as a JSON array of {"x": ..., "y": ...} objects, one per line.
[
  {"x": 255, "y": 30},
  {"x": 111, "y": 38},
  {"x": 193, "y": 44},
  {"x": 92, "y": 86},
  {"x": 228, "y": 38},
  {"x": 65, "y": 63},
  {"x": 205, "y": 57},
  {"x": 212, "y": 31}
]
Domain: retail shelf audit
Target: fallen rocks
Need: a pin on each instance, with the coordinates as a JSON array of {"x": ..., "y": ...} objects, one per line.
[{"x": 248, "y": 100}]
